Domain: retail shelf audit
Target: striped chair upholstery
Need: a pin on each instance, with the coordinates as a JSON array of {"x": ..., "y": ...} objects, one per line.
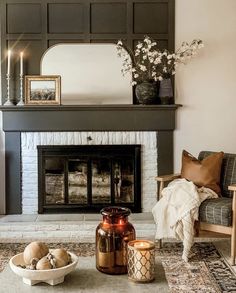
[{"x": 219, "y": 211}]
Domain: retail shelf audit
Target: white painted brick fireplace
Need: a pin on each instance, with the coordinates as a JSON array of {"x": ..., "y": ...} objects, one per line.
[{"x": 29, "y": 164}]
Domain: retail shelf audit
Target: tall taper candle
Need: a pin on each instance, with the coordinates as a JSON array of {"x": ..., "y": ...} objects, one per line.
[
  {"x": 9, "y": 62},
  {"x": 21, "y": 63}
]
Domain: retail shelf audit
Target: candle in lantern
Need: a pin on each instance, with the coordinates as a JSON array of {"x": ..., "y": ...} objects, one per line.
[
  {"x": 142, "y": 245},
  {"x": 9, "y": 62},
  {"x": 21, "y": 63},
  {"x": 142, "y": 263},
  {"x": 142, "y": 259}
]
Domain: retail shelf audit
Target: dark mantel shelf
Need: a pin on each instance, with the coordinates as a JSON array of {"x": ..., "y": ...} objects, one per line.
[
  {"x": 88, "y": 107},
  {"x": 89, "y": 118}
]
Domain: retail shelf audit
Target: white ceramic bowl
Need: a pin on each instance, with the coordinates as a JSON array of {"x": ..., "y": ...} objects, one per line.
[{"x": 32, "y": 277}]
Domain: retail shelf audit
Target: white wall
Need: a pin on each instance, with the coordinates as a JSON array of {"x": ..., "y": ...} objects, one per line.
[{"x": 207, "y": 85}]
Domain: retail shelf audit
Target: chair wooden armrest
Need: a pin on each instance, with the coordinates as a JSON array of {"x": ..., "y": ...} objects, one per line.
[
  {"x": 163, "y": 179},
  {"x": 232, "y": 187},
  {"x": 166, "y": 178}
]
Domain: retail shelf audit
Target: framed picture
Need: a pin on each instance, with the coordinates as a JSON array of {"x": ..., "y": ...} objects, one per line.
[{"x": 42, "y": 89}]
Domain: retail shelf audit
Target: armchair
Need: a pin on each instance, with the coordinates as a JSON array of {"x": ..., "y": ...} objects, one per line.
[{"x": 218, "y": 214}]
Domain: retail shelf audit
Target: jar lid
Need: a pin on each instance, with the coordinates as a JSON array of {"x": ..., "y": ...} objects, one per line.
[{"x": 115, "y": 211}]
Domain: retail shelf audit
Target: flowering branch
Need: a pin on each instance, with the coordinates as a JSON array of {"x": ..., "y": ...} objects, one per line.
[{"x": 147, "y": 62}]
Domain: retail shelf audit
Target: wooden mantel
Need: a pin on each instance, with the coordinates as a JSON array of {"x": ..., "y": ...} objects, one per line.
[{"x": 89, "y": 118}]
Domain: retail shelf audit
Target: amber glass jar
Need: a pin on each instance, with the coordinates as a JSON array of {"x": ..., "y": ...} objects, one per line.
[{"x": 112, "y": 237}]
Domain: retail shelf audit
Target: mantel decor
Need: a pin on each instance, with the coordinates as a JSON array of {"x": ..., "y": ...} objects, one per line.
[
  {"x": 166, "y": 91},
  {"x": 42, "y": 89},
  {"x": 21, "y": 100},
  {"x": 147, "y": 92},
  {"x": 8, "y": 77},
  {"x": 149, "y": 65},
  {"x": 8, "y": 100}
]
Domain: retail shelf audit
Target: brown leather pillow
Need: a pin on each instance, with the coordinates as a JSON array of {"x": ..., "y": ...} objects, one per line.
[{"x": 203, "y": 173}]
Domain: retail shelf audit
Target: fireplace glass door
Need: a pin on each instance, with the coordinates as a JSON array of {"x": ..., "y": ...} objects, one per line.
[
  {"x": 54, "y": 181},
  {"x": 88, "y": 178},
  {"x": 101, "y": 180},
  {"x": 77, "y": 181}
]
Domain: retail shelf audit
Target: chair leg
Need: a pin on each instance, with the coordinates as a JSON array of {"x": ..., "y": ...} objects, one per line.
[
  {"x": 233, "y": 248},
  {"x": 196, "y": 228},
  {"x": 159, "y": 243},
  {"x": 233, "y": 235}
]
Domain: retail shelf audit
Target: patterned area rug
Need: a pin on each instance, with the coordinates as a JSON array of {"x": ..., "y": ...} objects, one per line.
[{"x": 207, "y": 271}]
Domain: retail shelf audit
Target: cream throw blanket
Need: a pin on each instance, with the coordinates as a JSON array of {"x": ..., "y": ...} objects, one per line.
[{"x": 177, "y": 210}]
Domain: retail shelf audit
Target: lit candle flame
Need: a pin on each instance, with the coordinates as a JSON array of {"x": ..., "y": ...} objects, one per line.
[{"x": 142, "y": 244}]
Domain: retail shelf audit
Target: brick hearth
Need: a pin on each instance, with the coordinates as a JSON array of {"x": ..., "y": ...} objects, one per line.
[{"x": 64, "y": 227}]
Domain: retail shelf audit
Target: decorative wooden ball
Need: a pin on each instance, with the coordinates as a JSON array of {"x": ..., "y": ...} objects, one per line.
[{"x": 35, "y": 250}]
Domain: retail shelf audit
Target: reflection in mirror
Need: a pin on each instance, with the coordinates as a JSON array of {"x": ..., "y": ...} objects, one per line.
[{"x": 90, "y": 74}]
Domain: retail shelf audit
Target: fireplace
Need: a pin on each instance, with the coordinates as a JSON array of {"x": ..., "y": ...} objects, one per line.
[
  {"x": 73, "y": 178},
  {"x": 150, "y": 126}
]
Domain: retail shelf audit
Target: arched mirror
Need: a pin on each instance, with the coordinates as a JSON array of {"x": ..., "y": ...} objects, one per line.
[{"x": 90, "y": 74}]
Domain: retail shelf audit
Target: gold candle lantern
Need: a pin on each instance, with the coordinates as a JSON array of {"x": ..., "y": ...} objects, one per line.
[{"x": 141, "y": 260}]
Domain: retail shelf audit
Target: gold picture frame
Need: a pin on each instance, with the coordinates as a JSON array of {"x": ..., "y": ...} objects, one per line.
[{"x": 42, "y": 89}]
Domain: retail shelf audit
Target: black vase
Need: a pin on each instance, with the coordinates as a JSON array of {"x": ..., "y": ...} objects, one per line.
[
  {"x": 146, "y": 92},
  {"x": 166, "y": 91}
]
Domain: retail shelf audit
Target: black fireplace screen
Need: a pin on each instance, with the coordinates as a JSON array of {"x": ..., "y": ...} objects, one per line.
[{"x": 88, "y": 178}]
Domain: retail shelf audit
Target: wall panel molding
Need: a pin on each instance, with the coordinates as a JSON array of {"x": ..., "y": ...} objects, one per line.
[
  {"x": 35, "y": 25},
  {"x": 23, "y": 18}
]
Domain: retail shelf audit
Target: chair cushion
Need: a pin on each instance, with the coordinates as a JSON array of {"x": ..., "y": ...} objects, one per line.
[
  {"x": 216, "y": 211},
  {"x": 228, "y": 171},
  {"x": 205, "y": 172}
]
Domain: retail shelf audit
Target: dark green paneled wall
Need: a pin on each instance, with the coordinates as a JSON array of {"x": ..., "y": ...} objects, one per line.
[{"x": 33, "y": 26}]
